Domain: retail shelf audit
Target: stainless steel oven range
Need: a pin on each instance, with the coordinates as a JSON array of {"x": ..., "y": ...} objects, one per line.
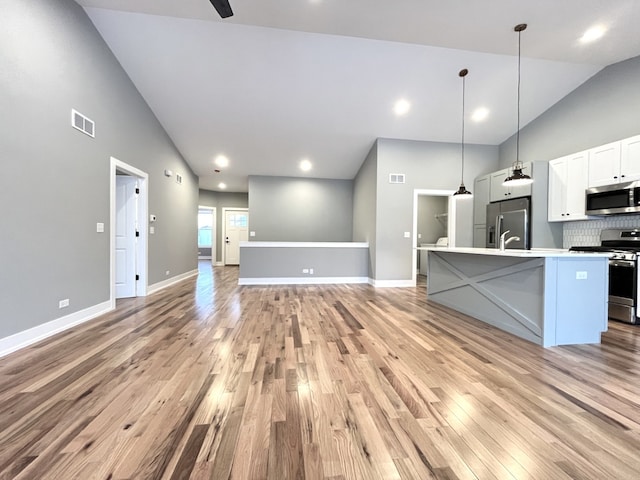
[{"x": 623, "y": 247}]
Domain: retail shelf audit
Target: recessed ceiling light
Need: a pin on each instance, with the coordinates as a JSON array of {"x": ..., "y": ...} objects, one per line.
[
  {"x": 480, "y": 114},
  {"x": 593, "y": 34},
  {"x": 221, "y": 161},
  {"x": 401, "y": 107},
  {"x": 305, "y": 165},
  {"x": 222, "y": 185}
]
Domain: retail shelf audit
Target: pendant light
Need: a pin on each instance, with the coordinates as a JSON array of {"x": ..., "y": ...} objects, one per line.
[
  {"x": 518, "y": 178},
  {"x": 463, "y": 190}
]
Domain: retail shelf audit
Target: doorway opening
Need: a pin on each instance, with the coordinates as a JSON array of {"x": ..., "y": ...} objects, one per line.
[
  {"x": 434, "y": 219},
  {"x": 128, "y": 245},
  {"x": 235, "y": 229},
  {"x": 207, "y": 234}
]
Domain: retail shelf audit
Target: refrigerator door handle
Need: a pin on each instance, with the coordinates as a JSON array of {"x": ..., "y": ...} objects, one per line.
[{"x": 525, "y": 237}]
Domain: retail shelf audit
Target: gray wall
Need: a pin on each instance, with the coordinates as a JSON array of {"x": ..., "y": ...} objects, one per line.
[
  {"x": 220, "y": 200},
  {"x": 429, "y": 227},
  {"x": 364, "y": 205},
  {"x": 604, "y": 109},
  {"x": 300, "y": 209},
  {"x": 55, "y": 186},
  {"x": 288, "y": 263},
  {"x": 427, "y": 165}
]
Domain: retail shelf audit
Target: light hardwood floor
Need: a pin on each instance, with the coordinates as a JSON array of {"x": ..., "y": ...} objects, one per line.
[{"x": 210, "y": 380}]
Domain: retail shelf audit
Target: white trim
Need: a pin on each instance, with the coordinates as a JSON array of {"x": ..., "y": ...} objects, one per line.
[
  {"x": 392, "y": 283},
  {"x": 142, "y": 259},
  {"x": 219, "y": 264},
  {"x": 305, "y": 244},
  {"x": 204, "y": 257},
  {"x": 224, "y": 228},
  {"x": 301, "y": 280},
  {"x": 451, "y": 230},
  {"x": 171, "y": 281},
  {"x": 40, "y": 332}
]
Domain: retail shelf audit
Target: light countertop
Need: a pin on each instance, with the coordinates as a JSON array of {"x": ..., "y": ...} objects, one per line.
[
  {"x": 534, "y": 252},
  {"x": 304, "y": 244}
]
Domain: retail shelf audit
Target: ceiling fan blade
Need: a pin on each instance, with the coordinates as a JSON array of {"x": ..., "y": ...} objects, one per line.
[{"x": 223, "y": 8}]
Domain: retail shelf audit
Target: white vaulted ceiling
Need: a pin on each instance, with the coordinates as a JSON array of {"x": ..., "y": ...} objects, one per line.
[{"x": 284, "y": 80}]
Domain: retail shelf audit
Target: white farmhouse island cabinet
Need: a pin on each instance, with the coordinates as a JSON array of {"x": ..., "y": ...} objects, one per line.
[{"x": 549, "y": 297}]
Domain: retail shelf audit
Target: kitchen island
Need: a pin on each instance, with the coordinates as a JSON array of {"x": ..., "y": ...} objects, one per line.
[{"x": 549, "y": 297}]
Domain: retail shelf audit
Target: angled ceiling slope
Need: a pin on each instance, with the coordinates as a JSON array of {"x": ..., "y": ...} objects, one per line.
[{"x": 281, "y": 81}]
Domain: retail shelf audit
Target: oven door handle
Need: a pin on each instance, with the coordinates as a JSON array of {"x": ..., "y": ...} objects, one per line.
[{"x": 622, "y": 263}]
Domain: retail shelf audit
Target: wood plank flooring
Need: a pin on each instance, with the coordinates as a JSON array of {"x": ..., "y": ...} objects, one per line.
[{"x": 209, "y": 380}]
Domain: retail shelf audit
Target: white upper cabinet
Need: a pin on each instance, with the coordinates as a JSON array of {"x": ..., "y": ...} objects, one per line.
[
  {"x": 616, "y": 162},
  {"x": 630, "y": 159},
  {"x": 500, "y": 192},
  {"x": 567, "y": 184},
  {"x": 604, "y": 164},
  {"x": 481, "y": 187}
]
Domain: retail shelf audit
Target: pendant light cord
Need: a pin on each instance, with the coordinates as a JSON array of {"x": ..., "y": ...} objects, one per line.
[
  {"x": 462, "y": 173},
  {"x": 518, "y": 130},
  {"x": 519, "y": 28}
]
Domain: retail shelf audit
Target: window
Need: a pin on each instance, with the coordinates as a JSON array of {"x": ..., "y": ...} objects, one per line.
[{"x": 205, "y": 228}]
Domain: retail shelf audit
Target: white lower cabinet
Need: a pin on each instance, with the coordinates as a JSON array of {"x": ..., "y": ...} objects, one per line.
[
  {"x": 568, "y": 180},
  {"x": 480, "y": 236}
]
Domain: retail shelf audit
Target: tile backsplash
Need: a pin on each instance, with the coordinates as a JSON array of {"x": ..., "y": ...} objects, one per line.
[{"x": 587, "y": 232}]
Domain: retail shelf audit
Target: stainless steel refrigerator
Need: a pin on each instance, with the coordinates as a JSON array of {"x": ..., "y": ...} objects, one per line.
[{"x": 513, "y": 216}]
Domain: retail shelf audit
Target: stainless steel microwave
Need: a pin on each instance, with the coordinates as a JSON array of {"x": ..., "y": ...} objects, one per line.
[{"x": 613, "y": 199}]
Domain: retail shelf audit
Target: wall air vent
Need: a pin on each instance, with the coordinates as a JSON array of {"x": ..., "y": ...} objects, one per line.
[
  {"x": 396, "y": 178},
  {"x": 82, "y": 123}
]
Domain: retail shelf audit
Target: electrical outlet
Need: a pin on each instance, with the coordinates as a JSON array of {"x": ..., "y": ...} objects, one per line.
[
  {"x": 305, "y": 270},
  {"x": 311, "y": 271},
  {"x": 100, "y": 227},
  {"x": 407, "y": 234},
  {"x": 63, "y": 303},
  {"x": 581, "y": 275},
  {"x": 167, "y": 272}
]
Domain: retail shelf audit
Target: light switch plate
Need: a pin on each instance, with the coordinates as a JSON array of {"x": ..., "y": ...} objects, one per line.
[
  {"x": 100, "y": 227},
  {"x": 152, "y": 230},
  {"x": 581, "y": 275},
  {"x": 252, "y": 234},
  {"x": 407, "y": 234}
]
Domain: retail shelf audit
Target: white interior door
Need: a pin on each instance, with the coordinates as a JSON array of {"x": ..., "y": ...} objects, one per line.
[
  {"x": 125, "y": 233},
  {"x": 236, "y": 223}
]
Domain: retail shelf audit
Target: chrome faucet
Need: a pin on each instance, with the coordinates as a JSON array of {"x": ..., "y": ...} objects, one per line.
[{"x": 504, "y": 242}]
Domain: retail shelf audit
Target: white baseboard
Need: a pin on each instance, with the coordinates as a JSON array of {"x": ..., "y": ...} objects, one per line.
[
  {"x": 391, "y": 283},
  {"x": 32, "y": 335},
  {"x": 204, "y": 257},
  {"x": 301, "y": 280},
  {"x": 170, "y": 281},
  {"x": 219, "y": 264}
]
